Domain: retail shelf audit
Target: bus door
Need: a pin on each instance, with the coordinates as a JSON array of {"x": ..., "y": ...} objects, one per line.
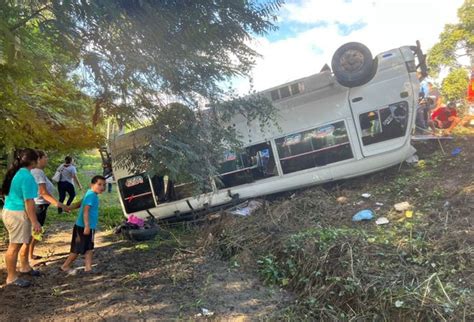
[{"x": 383, "y": 108}]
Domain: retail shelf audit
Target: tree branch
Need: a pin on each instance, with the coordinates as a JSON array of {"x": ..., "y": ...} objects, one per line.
[{"x": 24, "y": 21}]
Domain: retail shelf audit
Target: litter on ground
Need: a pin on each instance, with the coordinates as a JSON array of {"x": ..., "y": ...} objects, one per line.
[
  {"x": 365, "y": 214},
  {"x": 205, "y": 312},
  {"x": 342, "y": 200},
  {"x": 402, "y": 206},
  {"x": 246, "y": 208},
  {"x": 413, "y": 159},
  {"x": 382, "y": 221},
  {"x": 456, "y": 151}
]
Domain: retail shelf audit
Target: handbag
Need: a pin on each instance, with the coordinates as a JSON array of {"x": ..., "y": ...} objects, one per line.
[
  {"x": 57, "y": 175},
  {"x": 109, "y": 179}
]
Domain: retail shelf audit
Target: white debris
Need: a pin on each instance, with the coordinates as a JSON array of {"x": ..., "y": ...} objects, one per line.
[
  {"x": 402, "y": 206},
  {"x": 247, "y": 208},
  {"x": 206, "y": 312},
  {"x": 412, "y": 159},
  {"x": 382, "y": 221},
  {"x": 366, "y": 195}
]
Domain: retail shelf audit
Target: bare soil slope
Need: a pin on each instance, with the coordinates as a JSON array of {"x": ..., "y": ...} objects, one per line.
[{"x": 160, "y": 280}]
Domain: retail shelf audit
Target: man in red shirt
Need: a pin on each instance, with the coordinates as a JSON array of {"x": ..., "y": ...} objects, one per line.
[{"x": 445, "y": 118}]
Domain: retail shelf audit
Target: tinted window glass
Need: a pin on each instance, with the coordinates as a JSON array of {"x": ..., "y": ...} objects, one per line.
[
  {"x": 274, "y": 94},
  {"x": 384, "y": 124},
  {"x": 136, "y": 193},
  {"x": 285, "y": 92},
  {"x": 167, "y": 190},
  {"x": 314, "y": 148},
  {"x": 253, "y": 163},
  {"x": 295, "y": 89}
]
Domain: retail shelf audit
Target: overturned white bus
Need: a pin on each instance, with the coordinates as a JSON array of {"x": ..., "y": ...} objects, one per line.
[{"x": 333, "y": 125}]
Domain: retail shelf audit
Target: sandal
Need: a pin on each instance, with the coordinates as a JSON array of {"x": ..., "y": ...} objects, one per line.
[
  {"x": 33, "y": 272},
  {"x": 20, "y": 283}
]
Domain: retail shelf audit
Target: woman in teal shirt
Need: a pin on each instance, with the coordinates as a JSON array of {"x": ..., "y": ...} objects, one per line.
[{"x": 19, "y": 215}]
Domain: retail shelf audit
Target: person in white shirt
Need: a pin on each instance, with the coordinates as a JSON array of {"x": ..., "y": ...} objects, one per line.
[
  {"x": 67, "y": 179},
  {"x": 45, "y": 196}
]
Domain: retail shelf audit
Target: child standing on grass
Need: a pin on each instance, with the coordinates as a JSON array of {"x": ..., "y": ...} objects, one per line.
[{"x": 84, "y": 230}]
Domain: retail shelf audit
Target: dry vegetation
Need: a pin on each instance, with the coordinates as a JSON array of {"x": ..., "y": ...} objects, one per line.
[
  {"x": 299, "y": 257},
  {"x": 418, "y": 268}
]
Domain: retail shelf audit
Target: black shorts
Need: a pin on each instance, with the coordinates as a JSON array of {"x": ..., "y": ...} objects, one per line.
[
  {"x": 81, "y": 243},
  {"x": 41, "y": 211}
]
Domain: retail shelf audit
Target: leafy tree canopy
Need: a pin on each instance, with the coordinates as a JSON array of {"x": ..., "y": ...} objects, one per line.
[
  {"x": 41, "y": 106},
  {"x": 455, "y": 41},
  {"x": 136, "y": 52},
  {"x": 187, "y": 145},
  {"x": 455, "y": 85},
  {"x": 132, "y": 56}
]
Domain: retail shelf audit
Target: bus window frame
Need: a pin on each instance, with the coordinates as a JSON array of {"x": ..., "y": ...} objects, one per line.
[
  {"x": 349, "y": 142},
  {"x": 270, "y": 144}
]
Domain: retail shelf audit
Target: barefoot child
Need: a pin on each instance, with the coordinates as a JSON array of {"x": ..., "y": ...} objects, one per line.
[{"x": 83, "y": 233}]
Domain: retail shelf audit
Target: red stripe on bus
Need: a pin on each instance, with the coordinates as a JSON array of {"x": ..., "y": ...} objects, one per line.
[{"x": 129, "y": 199}]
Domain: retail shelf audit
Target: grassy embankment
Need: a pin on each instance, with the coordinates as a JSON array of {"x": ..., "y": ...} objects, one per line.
[{"x": 418, "y": 267}]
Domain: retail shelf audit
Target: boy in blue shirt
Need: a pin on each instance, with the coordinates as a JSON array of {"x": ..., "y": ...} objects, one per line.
[{"x": 83, "y": 232}]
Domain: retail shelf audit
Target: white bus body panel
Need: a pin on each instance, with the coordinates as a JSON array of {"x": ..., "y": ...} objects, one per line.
[
  {"x": 347, "y": 169},
  {"x": 323, "y": 101}
]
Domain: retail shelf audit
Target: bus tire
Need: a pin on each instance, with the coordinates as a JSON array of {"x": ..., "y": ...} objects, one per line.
[
  {"x": 352, "y": 64},
  {"x": 140, "y": 234}
]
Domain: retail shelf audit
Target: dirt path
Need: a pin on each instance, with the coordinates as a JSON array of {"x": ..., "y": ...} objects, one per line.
[{"x": 160, "y": 281}]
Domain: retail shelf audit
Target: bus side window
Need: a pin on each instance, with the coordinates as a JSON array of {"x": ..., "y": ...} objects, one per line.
[
  {"x": 136, "y": 193},
  {"x": 314, "y": 148},
  {"x": 384, "y": 124},
  {"x": 164, "y": 188},
  {"x": 370, "y": 123},
  {"x": 254, "y": 163}
]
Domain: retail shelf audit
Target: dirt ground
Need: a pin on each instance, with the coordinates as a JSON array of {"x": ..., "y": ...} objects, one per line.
[
  {"x": 163, "y": 281},
  {"x": 176, "y": 278}
]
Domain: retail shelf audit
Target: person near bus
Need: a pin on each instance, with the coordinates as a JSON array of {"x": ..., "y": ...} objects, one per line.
[
  {"x": 45, "y": 197},
  {"x": 445, "y": 118},
  {"x": 108, "y": 174},
  {"x": 67, "y": 178},
  {"x": 19, "y": 216}
]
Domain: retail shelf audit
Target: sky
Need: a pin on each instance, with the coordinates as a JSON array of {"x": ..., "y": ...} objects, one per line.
[{"x": 310, "y": 31}]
